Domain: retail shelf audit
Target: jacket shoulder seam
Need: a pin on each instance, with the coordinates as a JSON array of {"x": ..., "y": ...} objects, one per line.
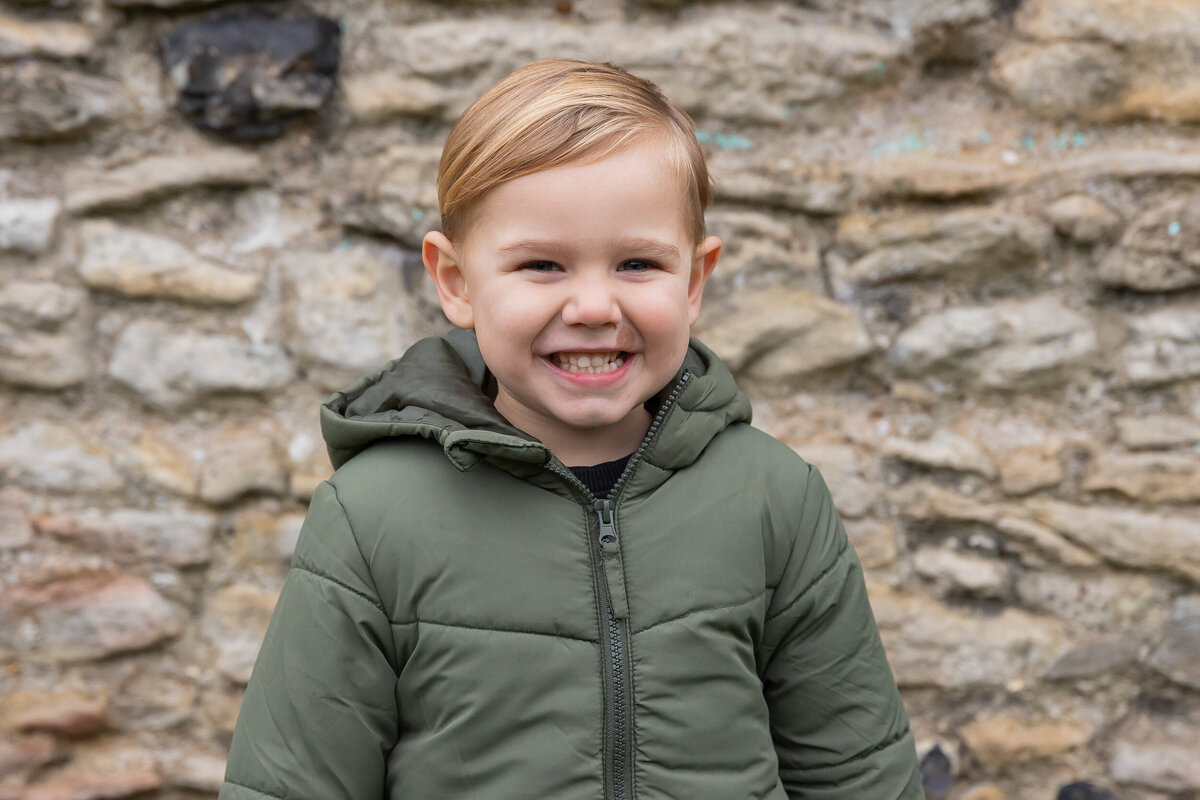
[
  {"x": 304, "y": 567},
  {"x": 252, "y": 789},
  {"x": 864, "y": 754},
  {"x": 350, "y": 526},
  {"x": 812, "y": 584},
  {"x": 750, "y": 599}
]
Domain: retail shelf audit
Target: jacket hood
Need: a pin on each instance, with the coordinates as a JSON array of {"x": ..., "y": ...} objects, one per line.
[{"x": 440, "y": 390}]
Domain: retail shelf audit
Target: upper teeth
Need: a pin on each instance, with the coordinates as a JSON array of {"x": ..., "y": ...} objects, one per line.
[{"x": 589, "y": 362}]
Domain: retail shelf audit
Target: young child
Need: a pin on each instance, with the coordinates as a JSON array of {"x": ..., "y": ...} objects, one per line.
[{"x": 555, "y": 560}]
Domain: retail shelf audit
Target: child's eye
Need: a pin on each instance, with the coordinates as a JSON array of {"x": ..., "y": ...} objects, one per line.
[
  {"x": 637, "y": 265},
  {"x": 539, "y": 266}
]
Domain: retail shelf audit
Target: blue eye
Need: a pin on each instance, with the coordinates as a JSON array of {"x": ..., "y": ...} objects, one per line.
[
  {"x": 637, "y": 265},
  {"x": 539, "y": 266}
]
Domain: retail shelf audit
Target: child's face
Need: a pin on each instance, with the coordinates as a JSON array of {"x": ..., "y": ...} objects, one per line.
[{"x": 579, "y": 262}]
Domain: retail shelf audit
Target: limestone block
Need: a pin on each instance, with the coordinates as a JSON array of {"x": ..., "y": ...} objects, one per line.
[
  {"x": 235, "y": 621},
  {"x": 1158, "y": 751},
  {"x": 961, "y": 244},
  {"x": 240, "y": 461},
  {"x": 1160, "y": 250},
  {"x": 1091, "y": 659},
  {"x": 1022, "y": 533},
  {"x": 875, "y": 542},
  {"x": 379, "y": 96},
  {"x": 781, "y": 334},
  {"x": 1176, "y": 654},
  {"x": 943, "y": 450},
  {"x": 1095, "y": 600},
  {"x": 1149, "y": 477},
  {"x": 929, "y": 644},
  {"x": 134, "y": 184},
  {"x": 952, "y": 571},
  {"x": 142, "y": 265},
  {"x": 1163, "y": 346},
  {"x": 22, "y": 756},
  {"x": 20, "y": 39},
  {"x": 1027, "y": 469},
  {"x": 154, "y": 699},
  {"x": 1012, "y": 344},
  {"x": 40, "y": 101},
  {"x": 1003, "y": 740},
  {"x": 181, "y": 538},
  {"x": 1157, "y": 430},
  {"x": 939, "y": 177},
  {"x": 762, "y": 251},
  {"x": 43, "y": 335},
  {"x": 1083, "y": 218},
  {"x": 782, "y": 183},
  {"x": 48, "y": 456},
  {"x": 203, "y": 772},
  {"x": 95, "y": 781},
  {"x": 346, "y": 313},
  {"x": 28, "y": 225},
  {"x": 71, "y": 714},
  {"x": 16, "y": 531},
  {"x": 169, "y": 368},
  {"x": 1105, "y": 59},
  {"x": 841, "y": 470},
  {"x": 83, "y": 615},
  {"x": 924, "y": 500},
  {"x": 396, "y": 197},
  {"x": 262, "y": 539}
]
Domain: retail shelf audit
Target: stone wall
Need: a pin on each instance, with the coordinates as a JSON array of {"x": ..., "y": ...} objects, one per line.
[{"x": 962, "y": 276}]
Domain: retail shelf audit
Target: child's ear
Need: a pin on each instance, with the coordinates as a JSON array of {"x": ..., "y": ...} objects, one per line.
[
  {"x": 443, "y": 266},
  {"x": 703, "y": 261}
]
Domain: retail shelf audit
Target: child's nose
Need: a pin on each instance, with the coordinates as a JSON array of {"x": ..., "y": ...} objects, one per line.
[{"x": 591, "y": 303}]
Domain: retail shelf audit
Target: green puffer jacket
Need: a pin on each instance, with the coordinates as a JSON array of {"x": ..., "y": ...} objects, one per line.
[{"x": 463, "y": 620}]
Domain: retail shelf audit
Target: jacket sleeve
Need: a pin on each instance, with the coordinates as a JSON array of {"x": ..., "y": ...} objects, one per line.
[
  {"x": 319, "y": 715},
  {"x": 837, "y": 720}
]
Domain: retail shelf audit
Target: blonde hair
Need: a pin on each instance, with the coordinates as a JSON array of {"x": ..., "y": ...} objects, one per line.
[{"x": 560, "y": 111}]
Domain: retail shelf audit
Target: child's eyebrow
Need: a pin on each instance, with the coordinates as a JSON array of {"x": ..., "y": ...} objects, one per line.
[{"x": 649, "y": 247}]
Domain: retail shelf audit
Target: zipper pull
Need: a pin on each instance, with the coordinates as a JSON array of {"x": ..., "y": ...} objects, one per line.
[{"x": 608, "y": 531}]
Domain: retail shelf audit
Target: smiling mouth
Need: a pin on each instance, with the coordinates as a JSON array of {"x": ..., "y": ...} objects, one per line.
[{"x": 588, "y": 363}]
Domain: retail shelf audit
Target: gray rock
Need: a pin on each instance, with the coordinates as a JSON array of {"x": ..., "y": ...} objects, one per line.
[
  {"x": 1149, "y": 477},
  {"x": 1157, "y": 430},
  {"x": 169, "y": 368},
  {"x": 19, "y": 39},
  {"x": 1083, "y": 218},
  {"x": 782, "y": 183},
  {"x": 943, "y": 450},
  {"x": 1094, "y": 600},
  {"x": 1012, "y": 344},
  {"x": 48, "y": 456},
  {"x": 1096, "y": 658},
  {"x": 181, "y": 538},
  {"x": 1160, "y": 250},
  {"x": 240, "y": 461},
  {"x": 1158, "y": 751},
  {"x": 952, "y": 571},
  {"x": 1177, "y": 652},
  {"x": 346, "y": 314},
  {"x": 1163, "y": 346},
  {"x": 131, "y": 185},
  {"x": 43, "y": 337},
  {"x": 16, "y": 531},
  {"x": 956, "y": 244},
  {"x": 235, "y": 621},
  {"x": 27, "y": 226},
  {"x": 399, "y": 198},
  {"x": 780, "y": 334},
  {"x": 40, "y": 101},
  {"x": 142, "y": 265},
  {"x": 1168, "y": 542},
  {"x": 939, "y": 177},
  {"x": 761, "y": 251}
]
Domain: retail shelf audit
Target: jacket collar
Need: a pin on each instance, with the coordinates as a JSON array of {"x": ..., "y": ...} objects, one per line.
[{"x": 438, "y": 390}]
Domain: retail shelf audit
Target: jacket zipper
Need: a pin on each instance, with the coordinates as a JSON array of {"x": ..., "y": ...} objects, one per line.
[{"x": 604, "y": 548}]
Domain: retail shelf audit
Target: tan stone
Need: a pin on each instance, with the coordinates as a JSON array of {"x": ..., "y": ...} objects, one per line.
[
  {"x": 397, "y": 195},
  {"x": 177, "y": 537},
  {"x": 1163, "y": 346},
  {"x": 955, "y": 571},
  {"x": 943, "y": 450},
  {"x": 1027, "y": 469},
  {"x": 43, "y": 335},
  {"x": 40, "y": 101},
  {"x": 873, "y": 541},
  {"x": 164, "y": 463},
  {"x": 1083, "y": 218},
  {"x": 940, "y": 177},
  {"x": 988, "y": 791},
  {"x": 382, "y": 95},
  {"x": 235, "y": 621},
  {"x": 240, "y": 461},
  {"x": 19, "y": 39},
  {"x": 1096, "y": 600},
  {"x": 1157, "y": 751},
  {"x": 1149, "y": 477},
  {"x": 1176, "y": 654},
  {"x": 22, "y": 756},
  {"x": 839, "y": 466},
  {"x": 265, "y": 539},
  {"x": 1046, "y": 541},
  {"x": 1002, "y": 741},
  {"x": 49, "y": 456},
  {"x": 70, "y": 714},
  {"x": 15, "y": 528},
  {"x": 1170, "y": 542},
  {"x": 794, "y": 186},
  {"x": 96, "y": 785},
  {"x": 918, "y": 499},
  {"x": 1157, "y": 430},
  {"x": 155, "y": 176},
  {"x": 1160, "y": 251}
]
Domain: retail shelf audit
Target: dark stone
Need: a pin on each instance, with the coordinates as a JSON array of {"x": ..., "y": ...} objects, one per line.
[
  {"x": 247, "y": 73},
  {"x": 1081, "y": 790},
  {"x": 937, "y": 774}
]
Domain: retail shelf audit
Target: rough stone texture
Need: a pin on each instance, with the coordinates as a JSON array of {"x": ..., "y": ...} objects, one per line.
[
  {"x": 142, "y": 265},
  {"x": 1157, "y": 430},
  {"x": 761, "y": 251},
  {"x": 943, "y": 450},
  {"x": 953, "y": 245},
  {"x": 1163, "y": 346},
  {"x": 786, "y": 334},
  {"x": 1022, "y": 532},
  {"x": 1105, "y": 59},
  {"x": 1027, "y": 469},
  {"x": 843, "y": 471},
  {"x": 20, "y": 39},
  {"x": 96, "y": 783},
  {"x": 874, "y": 542},
  {"x": 1083, "y": 218},
  {"x": 181, "y": 538},
  {"x": 241, "y": 461},
  {"x": 1096, "y": 658},
  {"x": 43, "y": 333},
  {"x": 265, "y": 539},
  {"x": 1149, "y": 477},
  {"x": 235, "y": 620},
  {"x": 1160, "y": 250},
  {"x": 930, "y": 644},
  {"x": 951, "y": 571},
  {"x": 131, "y": 185},
  {"x": 21, "y": 756},
  {"x": 69, "y": 714},
  {"x": 40, "y": 101},
  {"x": 1177, "y": 653},
  {"x": 48, "y": 456},
  {"x": 85, "y": 615},
  {"x": 28, "y": 225},
  {"x": 1002, "y": 741},
  {"x": 347, "y": 314},
  {"x": 1095, "y": 600},
  {"x": 169, "y": 368},
  {"x": 16, "y": 531},
  {"x": 929, "y": 177},
  {"x": 1009, "y": 345},
  {"x": 1157, "y": 751},
  {"x": 923, "y": 500},
  {"x": 784, "y": 184}
]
